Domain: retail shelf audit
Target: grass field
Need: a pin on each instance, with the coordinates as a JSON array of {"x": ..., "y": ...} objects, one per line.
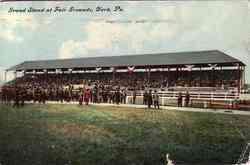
[{"x": 93, "y": 135}]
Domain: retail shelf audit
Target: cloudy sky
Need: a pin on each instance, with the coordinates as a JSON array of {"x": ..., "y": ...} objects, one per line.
[{"x": 142, "y": 27}]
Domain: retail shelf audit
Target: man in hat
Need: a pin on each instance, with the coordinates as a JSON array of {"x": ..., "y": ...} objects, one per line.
[
  {"x": 156, "y": 100},
  {"x": 86, "y": 96},
  {"x": 150, "y": 98},
  {"x": 187, "y": 99},
  {"x": 179, "y": 100}
]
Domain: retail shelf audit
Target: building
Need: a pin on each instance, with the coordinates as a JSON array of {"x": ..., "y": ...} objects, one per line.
[{"x": 210, "y": 68}]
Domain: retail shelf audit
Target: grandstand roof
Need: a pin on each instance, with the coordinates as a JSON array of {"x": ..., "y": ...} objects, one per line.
[{"x": 163, "y": 59}]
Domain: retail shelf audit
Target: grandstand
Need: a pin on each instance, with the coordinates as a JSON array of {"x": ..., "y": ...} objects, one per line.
[{"x": 208, "y": 75}]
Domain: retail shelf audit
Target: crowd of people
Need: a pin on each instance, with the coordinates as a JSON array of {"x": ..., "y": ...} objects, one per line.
[
  {"x": 138, "y": 80},
  {"x": 96, "y": 88},
  {"x": 97, "y": 94},
  {"x": 18, "y": 94}
]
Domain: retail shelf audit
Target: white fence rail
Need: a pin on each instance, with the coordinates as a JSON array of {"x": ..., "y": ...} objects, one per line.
[{"x": 170, "y": 97}]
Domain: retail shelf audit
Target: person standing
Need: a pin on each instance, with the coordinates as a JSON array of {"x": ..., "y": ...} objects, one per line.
[
  {"x": 179, "y": 99},
  {"x": 187, "y": 99},
  {"x": 86, "y": 96},
  {"x": 95, "y": 94},
  {"x": 61, "y": 94},
  {"x": 80, "y": 98},
  {"x": 16, "y": 97},
  {"x": 145, "y": 97},
  {"x": 124, "y": 95},
  {"x": 109, "y": 96},
  {"x": 134, "y": 95},
  {"x": 150, "y": 99},
  {"x": 156, "y": 100},
  {"x": 117, "y": 96},
  {"x": 113, "y": 97},
  {"x": 22, "y": 95},
  {"x": 39, "y": 94},
  {"x": 91, "y": 95},
  {"x": 43, "y": 95}
]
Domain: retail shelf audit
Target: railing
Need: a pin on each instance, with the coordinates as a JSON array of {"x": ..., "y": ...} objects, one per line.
[
  {"x": 194, "y": 95},
  {"x": 204, "y": 98}
]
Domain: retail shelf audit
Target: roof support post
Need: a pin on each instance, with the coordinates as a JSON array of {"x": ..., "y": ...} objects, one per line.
[
  {"x": 5, "y": 76},
  {"x": 162, "y": 75},
  {"x": 149, "y": 70},
  {"x": 100, "y": 73},
  {"x": 15, "y": 74},
  {"x": 242, "y": 72},
  {"x": 189, "y": 78},
  {"x": 244, "y": 76},
  {"x": 221, "y": 79},
  {"x": 200, "y": 76},
  {"x": 168, "y": 77},
  {"x": 177, "y": 76},
  {"x": 114, "y": 73},
  {"x": 45, "y": 72},
  {"x": 130, "y": 76},
  {"x": 213, "y": 85},
  {"x": 238, "y": 78},
  {"x": 98, "y": 76}
]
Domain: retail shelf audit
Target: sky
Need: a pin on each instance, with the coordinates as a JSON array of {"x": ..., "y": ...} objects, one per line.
[{"x": 142, "y": 27}]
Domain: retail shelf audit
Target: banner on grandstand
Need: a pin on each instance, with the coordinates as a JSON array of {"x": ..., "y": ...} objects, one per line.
[
  {"x": 237, "y": 64},
  {"x": 212, "y": 66},
  {"x": 112, "y": 69},
  {"x": 98, "y": 69},
  {"x": 70, "y": 70},
  {"x": 58, "y": 71},
  {"x": 189, "y": 67},
  {"x": 131, "y": 69}
]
